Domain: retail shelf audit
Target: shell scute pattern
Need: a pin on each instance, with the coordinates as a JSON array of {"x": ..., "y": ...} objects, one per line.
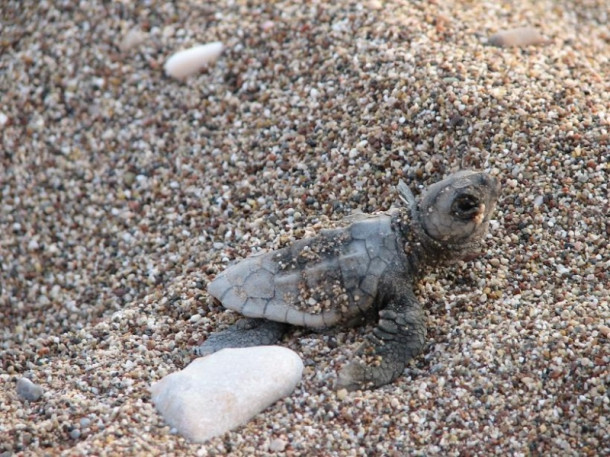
[
  {"x": 259, "y": 284},
  {"x": 373, "y": 245},
  {"x": 267, "y": 263},
  {"x": 253, "y": 306},
  {"x": 236, "y": 296},
  {"x": 315, "y": 282},
  {"x": 275, "y": 310},
  {"x": 369, "y": 284},
  {"x": 353, "y": 263}
]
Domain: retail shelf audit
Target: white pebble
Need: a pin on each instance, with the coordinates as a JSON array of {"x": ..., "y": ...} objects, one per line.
[
  {"x": 32, "y": 245},
  {"x": 562, "y": 270},
  {"x": 277, "y": 445},
  {"x": 267, "y": 25},
  {"x": 189, "y": 61},
  {"x": 195, "y": 318},
  {"x": 521, "y": 36},
  {"x": 224, "y": 390},
  {"x": 132, "y": 39}
]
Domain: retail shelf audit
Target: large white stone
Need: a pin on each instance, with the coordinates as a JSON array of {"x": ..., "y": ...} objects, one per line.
[{"x": 224, "y": 390}]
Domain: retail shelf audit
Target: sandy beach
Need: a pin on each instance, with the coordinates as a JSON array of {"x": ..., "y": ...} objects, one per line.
[{"x": 123, "y": 192}]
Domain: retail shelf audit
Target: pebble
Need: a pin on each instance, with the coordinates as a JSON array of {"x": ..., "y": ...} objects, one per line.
[
  {"x": 342, "y": 394},
  {"x": 189, "y": 61},
  {"x": 277, "y": 445},
  {"x": 27, "y": 390},
  {"x": 520, "y": 37},
  {"x": 85, "y": 422},
  {"x": 226, "y": 389},
  {"x": 132, "y": 39}
]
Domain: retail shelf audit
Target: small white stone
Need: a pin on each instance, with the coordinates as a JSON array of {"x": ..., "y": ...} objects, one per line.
[
  {"x": 521, "y": 36},
  {"x": 195, "y": 318},
  {"x": 493, "y": 225},
  {"x": 562, "y": 270},
  {"x": 189, "y": 61},
  {"x": 277, "y": 445},
  {"x": 224, "y": 390},
  {"x": 132, "y": 39},
  {"x": 267, "y": 25}
]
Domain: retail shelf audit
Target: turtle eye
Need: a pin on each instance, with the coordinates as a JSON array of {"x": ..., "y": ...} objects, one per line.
[{"x": 465, "y": 207}]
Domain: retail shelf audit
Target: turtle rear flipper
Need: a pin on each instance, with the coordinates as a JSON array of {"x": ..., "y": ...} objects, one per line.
[{"x": 244, "y": 333}]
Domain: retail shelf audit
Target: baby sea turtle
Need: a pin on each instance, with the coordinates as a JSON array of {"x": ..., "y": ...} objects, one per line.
[{"x": 368, "y": 267}]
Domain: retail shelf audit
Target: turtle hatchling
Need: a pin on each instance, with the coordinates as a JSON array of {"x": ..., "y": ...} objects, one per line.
[{"x": 365, "y": 269}]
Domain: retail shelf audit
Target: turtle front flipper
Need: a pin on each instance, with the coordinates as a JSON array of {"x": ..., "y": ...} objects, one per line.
[
  {"x": 244, "y": 333},
  {"x": 399, "y": 336}
]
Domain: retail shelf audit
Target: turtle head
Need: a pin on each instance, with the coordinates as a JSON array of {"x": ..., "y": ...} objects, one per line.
[{"x": 455, "y": 212}]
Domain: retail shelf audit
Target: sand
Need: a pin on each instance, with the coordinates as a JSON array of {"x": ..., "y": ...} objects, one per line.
[{"x": 123, "y": 192}]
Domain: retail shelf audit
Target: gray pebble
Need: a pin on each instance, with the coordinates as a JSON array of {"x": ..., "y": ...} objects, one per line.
[
  {"x": 85, "y": 422},
  {"x": 27, "y": 390}
]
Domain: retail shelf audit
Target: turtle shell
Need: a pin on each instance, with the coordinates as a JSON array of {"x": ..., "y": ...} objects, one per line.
[{"x": 316, "y": 282}]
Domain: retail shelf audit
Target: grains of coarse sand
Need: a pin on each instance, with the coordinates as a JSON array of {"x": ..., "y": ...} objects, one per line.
[{"x": 123, "y": 192}]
